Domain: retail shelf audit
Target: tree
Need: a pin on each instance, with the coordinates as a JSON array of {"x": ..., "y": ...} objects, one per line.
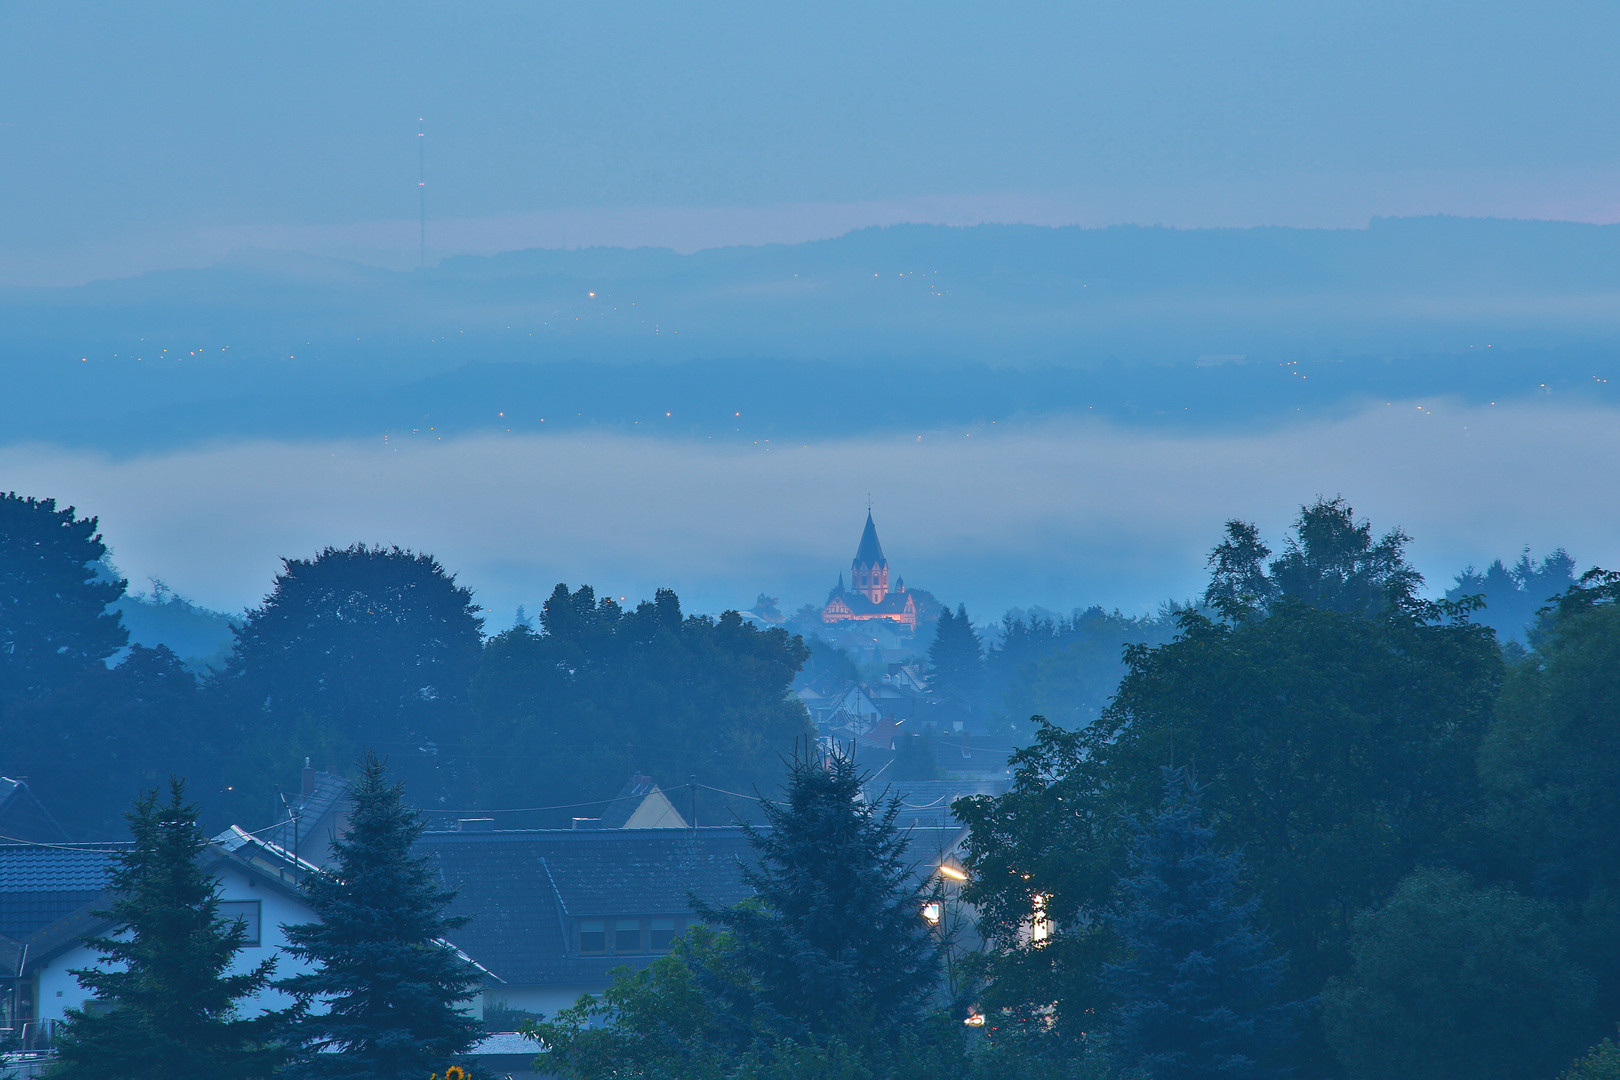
[
  {"x": 1602, "y": 1062},
  {"x": 826, "y": 972},
  {"x": 389, "y": 987},
  {"x": 1513, "y": 595},
  {"x": 834, "y": 937},
  {"x": 359, "y": 647},
  {"x": 1197, "y": 988},
  {"x": 1053, "y": 840},
  {"x": 1551, "y": 769},
  {"x": 54, "y": 622},
  {"x": 563, "y": 716},
  {"x": 1331, "y": 561},
  {"x": 174, "y": 997},
  {"x": 1456, "y": 982},
  {"x": 1340, "y": 749},
  {"x": 956, "y": 660}
]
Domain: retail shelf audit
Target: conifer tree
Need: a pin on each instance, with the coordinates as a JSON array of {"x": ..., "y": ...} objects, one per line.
[
  {"x": 834, "y": 937},
  {"x": 955, "y": 658},
  {"x": 174, "y": 1001},
  {"x": 1196, "y": 993},
  {"x": 388, "y": 987}
]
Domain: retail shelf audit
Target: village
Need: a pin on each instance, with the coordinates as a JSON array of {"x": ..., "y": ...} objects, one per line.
[{"x": 550, "y": 912}]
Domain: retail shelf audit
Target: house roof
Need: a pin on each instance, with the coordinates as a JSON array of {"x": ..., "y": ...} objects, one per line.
[
  {"x": 523, "y": 888},
  {"x": 40, "y": 884},
  {"x": 23, "y": 819},
  {"x": 870, "y": 552}
]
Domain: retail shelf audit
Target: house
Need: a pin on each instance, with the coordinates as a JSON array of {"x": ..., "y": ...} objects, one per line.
[
  {"x": 49, "y": 894},
  {"x": 309, "y": 823},
  {"x": 640, "y": 804},
  {"x": 23, "y": 820},
  {"x": 553, "y": 911}
]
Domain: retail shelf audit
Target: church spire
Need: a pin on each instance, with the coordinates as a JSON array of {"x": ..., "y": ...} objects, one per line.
[{"x": 869, "y": 573}]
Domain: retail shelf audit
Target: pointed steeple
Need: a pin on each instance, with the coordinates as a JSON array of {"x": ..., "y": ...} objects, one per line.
[
  {"x": 870, "y": 552},
  {"x": 869, "y": 573}
]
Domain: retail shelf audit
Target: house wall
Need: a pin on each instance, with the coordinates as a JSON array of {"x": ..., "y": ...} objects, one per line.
[{"x": 58, "y": 989}]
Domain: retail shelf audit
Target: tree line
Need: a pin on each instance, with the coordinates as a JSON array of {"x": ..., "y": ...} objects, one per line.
[{"x": 373, "y": 648}]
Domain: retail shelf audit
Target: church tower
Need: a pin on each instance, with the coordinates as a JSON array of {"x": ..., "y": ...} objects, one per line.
[{"x": 869, "y": 574}]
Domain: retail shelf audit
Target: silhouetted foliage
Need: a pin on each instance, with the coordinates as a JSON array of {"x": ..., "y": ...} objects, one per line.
[
  {"x": 165, "y": 967},
  {"x": 1064, "y": 669},
  {"x": 54, "y": 622},
  {"x": 1455, "y": 982},
  {"x": 564, "y": 716},
  {"x": 834, "y": 938},
  {"x": 359, "y": 647},
  {"x": 385, "y": 999},
  {"x": 1514, "y": 595},
  {"x": 1197, "y": 987},
  {"x": 1551, "y": 766},
  {"x": 956, "y": 661},
  {"x": 1331, "y": 561}
]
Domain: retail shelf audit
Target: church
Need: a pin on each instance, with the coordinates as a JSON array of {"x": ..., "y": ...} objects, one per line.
[{"x": 869, "y": 597}]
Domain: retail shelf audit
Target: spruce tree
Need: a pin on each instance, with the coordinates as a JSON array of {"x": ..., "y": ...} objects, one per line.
[
  {"x": 955, "y": 658},
  {"x": 384, "y": 1001},
  {"x": 834, "y": 937},
  {"x": 174, "y": 1001},
  {"x": 1197, "y": 990}
]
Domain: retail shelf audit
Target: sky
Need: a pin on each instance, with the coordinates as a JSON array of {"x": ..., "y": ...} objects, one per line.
[
  {"x": 167, "y": 134},
  {"x": 140, "y": 138}
]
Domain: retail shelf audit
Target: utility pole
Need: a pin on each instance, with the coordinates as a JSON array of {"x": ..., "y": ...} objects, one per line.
[
  {"x": 421, "y": 189},
  {"x": 691, "y": 782}
]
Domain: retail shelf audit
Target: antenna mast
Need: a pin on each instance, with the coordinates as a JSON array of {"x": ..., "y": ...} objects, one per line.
[{"x": 421, "y": 189}]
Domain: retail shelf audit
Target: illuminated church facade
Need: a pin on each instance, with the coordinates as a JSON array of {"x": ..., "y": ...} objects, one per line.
[{"x": 869, "y": 597}]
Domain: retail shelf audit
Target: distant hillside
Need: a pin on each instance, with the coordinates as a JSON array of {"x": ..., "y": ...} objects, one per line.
[{"x": 915, "y": 325}]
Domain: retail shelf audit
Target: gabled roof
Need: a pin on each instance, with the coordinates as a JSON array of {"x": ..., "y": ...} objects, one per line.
[
  {"x": 870, "y": 552},
  {"x": 523, "y": 889},
  {"x": 641, "y": 804},
  {"x": 40, "y": 884},
  {"x": 23, "y": 819}
]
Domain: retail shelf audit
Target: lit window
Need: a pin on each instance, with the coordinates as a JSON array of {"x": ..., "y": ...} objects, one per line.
[
  {"x": 245, "y": 912},
  {"x": 1040, "y": 928},
  {"x": 626, "y": 935},
  {"x": 931, "y": 913},
  {"x": 592, "y": 936},
  {"x": 662, "y": 935}
]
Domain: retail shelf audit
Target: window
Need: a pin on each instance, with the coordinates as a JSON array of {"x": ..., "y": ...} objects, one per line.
[
  {"x": 931, "y": 913},
  {"x": 662, "y": 934},
  {"x": 592, "y": 936},
  {"x": 627, "y": 935},
  {"x": 247, "y": 913}
]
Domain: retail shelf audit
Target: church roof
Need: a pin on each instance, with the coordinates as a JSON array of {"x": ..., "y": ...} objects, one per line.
[{"x": 870, "y": 551}]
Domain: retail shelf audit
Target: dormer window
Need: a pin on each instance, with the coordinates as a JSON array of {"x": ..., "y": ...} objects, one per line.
[
  {"x": 626, "y": 935},
  {"x": 592, "y": 936}
]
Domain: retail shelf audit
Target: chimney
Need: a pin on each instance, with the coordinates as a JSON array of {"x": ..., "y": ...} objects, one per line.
[
  {"x": 308, "y": 787},
  {"x": 475, "y": 824}
]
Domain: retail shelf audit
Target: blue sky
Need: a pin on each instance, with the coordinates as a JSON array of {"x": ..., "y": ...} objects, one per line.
[{"x": 167, "y": 135}]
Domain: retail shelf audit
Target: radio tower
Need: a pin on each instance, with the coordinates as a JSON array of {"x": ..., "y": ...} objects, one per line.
[{"x": 421, "y": 189}]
